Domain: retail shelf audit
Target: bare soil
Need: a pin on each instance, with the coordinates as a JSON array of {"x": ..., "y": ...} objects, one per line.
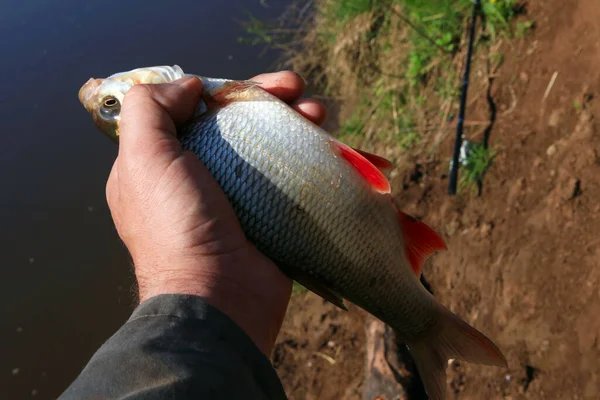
[{"x": 522, "y": 264}]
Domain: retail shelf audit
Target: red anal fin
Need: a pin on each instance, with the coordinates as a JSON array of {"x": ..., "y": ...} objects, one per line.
[
  {"x": 228, "y": 93},
  {"x": 381, "y": 163},
  {"x": 420, "y": 241},
  {"x": 363, "y": 166}
]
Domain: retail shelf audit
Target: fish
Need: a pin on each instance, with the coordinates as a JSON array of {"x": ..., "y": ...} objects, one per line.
[{"x": 320, "y": 209}]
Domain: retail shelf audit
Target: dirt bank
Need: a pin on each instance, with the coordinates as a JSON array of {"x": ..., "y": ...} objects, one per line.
[{"x": 522, "y": 264}]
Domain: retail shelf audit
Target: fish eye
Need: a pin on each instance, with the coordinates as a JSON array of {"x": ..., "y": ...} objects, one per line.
[
  {"x": 110, "y": 108},
  {"x": 110, "y": 102}
]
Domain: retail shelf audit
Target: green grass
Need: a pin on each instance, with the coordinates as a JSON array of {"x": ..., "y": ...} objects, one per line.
[
  {"x": 257, "y": 32},
  {"x": 522, "y": 28},
  {"x": 478, "y": 160},
  {"x": 298, "y": 289},
  {"x": 403, "y": 58},
  {"x": 440, "y": 21},
  {"x": 343, "y": 11},
  {"x": 498, "y": 15},
  {"x": 352, "y": 126}
]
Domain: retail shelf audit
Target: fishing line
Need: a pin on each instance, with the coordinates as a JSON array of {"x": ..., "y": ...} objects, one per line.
[
  {"x": 463, "y": 102},
  {"x": 417, "y": 29}
]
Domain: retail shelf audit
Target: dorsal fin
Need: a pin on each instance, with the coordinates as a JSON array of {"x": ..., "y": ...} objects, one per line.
[
  {"x": 228, "y": 92},
  {"x": 420, "y": 241},
  {"x": 381, "y": 163},
  {"x": 364, "y": 167}
]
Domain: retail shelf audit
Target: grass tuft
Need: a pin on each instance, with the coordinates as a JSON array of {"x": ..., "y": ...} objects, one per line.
[
  {"x": 399, "y": 61},
  {"x": 475, "y": 163},
  {"x": 298, "y": 289}
]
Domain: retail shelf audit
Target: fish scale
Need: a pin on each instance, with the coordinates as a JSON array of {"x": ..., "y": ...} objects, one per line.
[
  {"x": 295, "y": 229},
  {"x": 319, "y": 209}
]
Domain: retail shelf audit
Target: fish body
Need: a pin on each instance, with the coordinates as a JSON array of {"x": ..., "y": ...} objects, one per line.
[
  {"x": 308, "y": 209},
  {"x": 321, "y": 211}
]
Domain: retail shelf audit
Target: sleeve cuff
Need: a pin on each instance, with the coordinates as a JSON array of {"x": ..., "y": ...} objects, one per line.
[{"x": 194, "y": 308}]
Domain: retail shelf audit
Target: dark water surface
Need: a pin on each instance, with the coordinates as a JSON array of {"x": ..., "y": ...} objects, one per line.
[{"x": 65, "y": 279}]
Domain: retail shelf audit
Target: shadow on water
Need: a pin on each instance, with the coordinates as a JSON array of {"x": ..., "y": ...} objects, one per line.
[{"x": 65, "y": 276}]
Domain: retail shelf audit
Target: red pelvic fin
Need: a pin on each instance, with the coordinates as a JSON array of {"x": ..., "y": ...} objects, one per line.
[
  {"x": 420, "y": 241},
  {"x": 363, "y": 166}
]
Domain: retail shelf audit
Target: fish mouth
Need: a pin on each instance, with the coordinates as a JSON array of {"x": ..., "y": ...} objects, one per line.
[{"x": 88, "y": 91}]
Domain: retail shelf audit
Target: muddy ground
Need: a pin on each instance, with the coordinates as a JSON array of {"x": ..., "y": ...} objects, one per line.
[{"x": 522, "y": 264}]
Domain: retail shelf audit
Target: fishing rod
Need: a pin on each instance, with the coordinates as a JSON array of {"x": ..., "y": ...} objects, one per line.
[{"x": 463, "y": 102}]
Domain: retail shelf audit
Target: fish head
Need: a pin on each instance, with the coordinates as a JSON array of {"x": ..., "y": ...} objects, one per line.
[{"x": 103, "y": 97}]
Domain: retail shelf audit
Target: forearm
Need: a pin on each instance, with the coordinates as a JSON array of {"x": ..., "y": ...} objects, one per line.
[
  {"x": 177, "y": 347},
  {"x": 244, "y": 285}
]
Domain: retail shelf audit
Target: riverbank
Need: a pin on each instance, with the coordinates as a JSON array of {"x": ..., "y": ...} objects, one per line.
[{"x": 522, "y": 258}]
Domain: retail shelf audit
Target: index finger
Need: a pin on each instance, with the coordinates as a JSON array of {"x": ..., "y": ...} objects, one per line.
[
  {"x": 286, "y": 85},
  {"x": 289, "y": 86}
]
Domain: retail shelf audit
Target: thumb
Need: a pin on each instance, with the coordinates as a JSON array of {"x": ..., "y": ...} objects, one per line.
[{"x": 150, "y": 114}]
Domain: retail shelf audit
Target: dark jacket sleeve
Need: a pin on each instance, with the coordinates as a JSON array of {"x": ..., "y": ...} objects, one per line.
[{"x": 177, "y": 347}]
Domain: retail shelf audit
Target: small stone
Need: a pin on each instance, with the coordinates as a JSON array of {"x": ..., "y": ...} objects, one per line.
[
  {"x": 309, "y": 364},
  {"x": 34, "y": 392},
  {"x": 507, "y": 378},
  {"x": 570, "y": 190},
  {"x": 554, "y": 119},
  {"x": 31, "y": 260},
  {"x": 331, "y": 344},
  {"x": 551, "y": 150},
  {"x": 524, "y": 76},
  {"x": 452, "y": 227},
  {"x": 15, "y": 371},
  {"x": 486, "y": 228},
  {"x": 515, "y": 191}
]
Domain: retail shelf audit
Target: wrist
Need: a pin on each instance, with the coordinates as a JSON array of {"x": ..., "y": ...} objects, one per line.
[{"x": 247, "y": 287}]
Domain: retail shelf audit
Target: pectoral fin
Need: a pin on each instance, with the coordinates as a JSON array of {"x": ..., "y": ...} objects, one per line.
[{"x": 318, "y": 288}]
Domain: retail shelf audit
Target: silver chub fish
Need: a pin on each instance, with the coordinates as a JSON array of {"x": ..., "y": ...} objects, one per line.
[{"x": 321, "y": 210}]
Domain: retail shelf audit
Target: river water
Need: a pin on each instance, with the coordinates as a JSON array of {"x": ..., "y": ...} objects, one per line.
[{"x": 65, "y": 277}]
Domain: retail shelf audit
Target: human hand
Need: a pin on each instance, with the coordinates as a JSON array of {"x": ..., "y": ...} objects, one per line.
[{"x": 181, "y": 231}]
